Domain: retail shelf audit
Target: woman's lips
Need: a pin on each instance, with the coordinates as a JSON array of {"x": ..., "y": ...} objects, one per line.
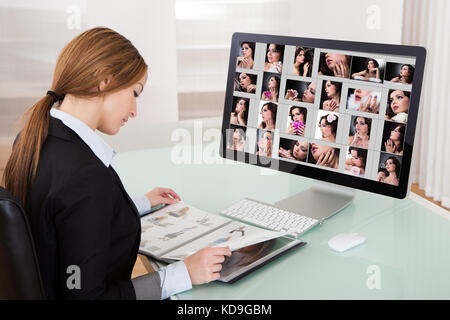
[
  {"x": 395, "y": 108},
  {"x": 357, "y": 98},
  {"x": 329, "y": 61},
  {"x": 314, "y": 149}
]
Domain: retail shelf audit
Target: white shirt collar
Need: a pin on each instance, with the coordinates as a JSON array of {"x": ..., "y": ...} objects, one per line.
[{"x": 100, "y": 148}]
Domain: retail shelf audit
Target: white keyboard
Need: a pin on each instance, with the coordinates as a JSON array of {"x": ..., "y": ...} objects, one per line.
[{"x": 270, "y": 217}]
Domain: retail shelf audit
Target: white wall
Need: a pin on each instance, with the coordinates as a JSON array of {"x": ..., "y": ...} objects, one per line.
[
  {"x": 150, "y": 25},
  {"x": 354, "y": 20}
]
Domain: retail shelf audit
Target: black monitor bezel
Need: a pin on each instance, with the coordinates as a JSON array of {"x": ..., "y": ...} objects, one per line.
[{"x": 339, "y": 178}]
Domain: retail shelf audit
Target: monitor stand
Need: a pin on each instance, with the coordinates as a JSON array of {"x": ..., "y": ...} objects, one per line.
[{"x": 320, "y": 202}]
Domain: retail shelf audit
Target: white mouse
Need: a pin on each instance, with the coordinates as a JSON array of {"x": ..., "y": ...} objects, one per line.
[{"x": 345, "y": 241}]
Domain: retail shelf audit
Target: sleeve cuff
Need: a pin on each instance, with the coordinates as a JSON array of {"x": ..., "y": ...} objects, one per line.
[
  {"x": 174, "y": 279},
  {"x": 142, "y": 204}
]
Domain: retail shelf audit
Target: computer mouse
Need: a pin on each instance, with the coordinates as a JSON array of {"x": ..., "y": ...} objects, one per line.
[{"x": 345, "y": 241}]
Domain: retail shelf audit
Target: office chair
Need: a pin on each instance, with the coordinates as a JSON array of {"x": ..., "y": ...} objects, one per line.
[{"x": 20, "y": 277}]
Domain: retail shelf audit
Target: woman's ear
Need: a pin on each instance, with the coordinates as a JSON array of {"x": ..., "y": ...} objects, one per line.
[{"x": 104, "y": 84}]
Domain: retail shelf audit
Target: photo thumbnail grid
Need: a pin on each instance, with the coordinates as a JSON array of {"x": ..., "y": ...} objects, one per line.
[{"x": 338, "y": 110}]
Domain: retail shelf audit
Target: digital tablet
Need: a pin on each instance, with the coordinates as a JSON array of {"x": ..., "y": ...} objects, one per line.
[{"x": 248, "y": 259}]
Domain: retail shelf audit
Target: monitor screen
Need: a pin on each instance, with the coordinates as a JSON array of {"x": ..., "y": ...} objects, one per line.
[{"x": 337, "y": 111}]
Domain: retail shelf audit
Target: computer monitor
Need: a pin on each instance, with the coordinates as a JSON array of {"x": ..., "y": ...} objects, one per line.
[{"x": 340, "y": 112}]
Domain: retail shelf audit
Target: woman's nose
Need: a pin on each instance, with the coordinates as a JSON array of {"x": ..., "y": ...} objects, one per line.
[{"x": 133, "y": 112}]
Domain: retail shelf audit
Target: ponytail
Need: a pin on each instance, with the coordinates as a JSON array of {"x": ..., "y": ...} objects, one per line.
[{"x": 22, "y": 164}]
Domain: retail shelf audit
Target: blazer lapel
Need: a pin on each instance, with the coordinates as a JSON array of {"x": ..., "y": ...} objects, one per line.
[{"x": 58, "y": 129}]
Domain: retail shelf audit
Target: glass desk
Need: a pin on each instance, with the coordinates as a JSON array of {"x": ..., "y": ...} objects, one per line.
[{"x": 406, "y": 254}]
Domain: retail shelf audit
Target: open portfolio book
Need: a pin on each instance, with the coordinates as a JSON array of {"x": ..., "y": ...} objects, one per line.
[{"x": 179, "y": 230}]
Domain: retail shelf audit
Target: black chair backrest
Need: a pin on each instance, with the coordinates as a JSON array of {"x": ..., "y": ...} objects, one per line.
[{"x": 19, "y": 268}]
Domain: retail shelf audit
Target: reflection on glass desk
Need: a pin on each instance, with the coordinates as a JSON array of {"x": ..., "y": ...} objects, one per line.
[{"x": 406, "y": 255}]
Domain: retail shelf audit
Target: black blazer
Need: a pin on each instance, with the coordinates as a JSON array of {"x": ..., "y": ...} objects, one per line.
[{"x": 81, "y": 215}]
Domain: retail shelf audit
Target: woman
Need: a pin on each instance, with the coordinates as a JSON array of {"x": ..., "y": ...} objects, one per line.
[
  {"x": 335, "y": 65},
  {"x": 392, "y": 166},
  {"x": 303, "y": 62},
  {"x": 237, "y": 140},
  {"x": 323, "y": 155},
  {"x": 394, "y": 144},
  {"x": 398, "y": 106},
  {"x": 273, "y": 86},
  {"x": 240, "y": 114},
  {"x": 364, "y": 101},
  {"x": 406, "y": 74},
  {"x": 248, "y": 55},
  {"x": 60, "y": 169},
  {"x": 371, "y": 73},
  {"x": 362, "y": 133},
  {"x": 274, "y": 58},
  {"x": 245, "y": 83},
  {"x": 328, "y": 127},
  {"x": 298, "y": 151},
  {"x": 356, "y": 164},
  {"x": 264, "y": 146},
  {"x": 332, "y": 94},
  {"x": 298, "y": 123},
  {"x": 268, "y": 116},
  {"x": 308, "y": 95}
]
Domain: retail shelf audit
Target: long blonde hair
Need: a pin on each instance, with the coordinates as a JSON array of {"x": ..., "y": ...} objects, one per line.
[{"x": 87, "y": 60}]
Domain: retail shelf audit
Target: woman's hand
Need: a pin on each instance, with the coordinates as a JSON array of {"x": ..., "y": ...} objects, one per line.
[
  {"x": 305, "y": 69},
  {"x": 278, "y": 65},
  {"x": 291, "y": 129},
  {"x": 371, "y": 105},
  {"x": 291, "y": 94},
  {"x": 328, "y": 159},
  {"x": 357, "y": 139},
  {"x": 274, "y": 91},
  {"x": 159, "y": 196},
  {"x": 234, "y": 118},
  {"x": 245, "y": 63},
  {"x": 251, "y": 88},
  {"x": 330, "y": 105},
  {"x": 390, "y": 146},
  {"x": 204, "y": 266},
  {"x": 285, "y": 153},
  {"x": 300, "y": 130},
  {"x": 341, "y": 70}
]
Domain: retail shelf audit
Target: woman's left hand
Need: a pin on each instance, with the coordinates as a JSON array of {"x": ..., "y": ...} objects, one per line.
[{"x": 159, "y": 196}]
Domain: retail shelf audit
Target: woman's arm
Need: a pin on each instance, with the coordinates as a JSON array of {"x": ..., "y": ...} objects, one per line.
[
  {"x": 360, "y": 74},
  {"x": 306, "y": 69},
  {"x": 85, "y": 212}
]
